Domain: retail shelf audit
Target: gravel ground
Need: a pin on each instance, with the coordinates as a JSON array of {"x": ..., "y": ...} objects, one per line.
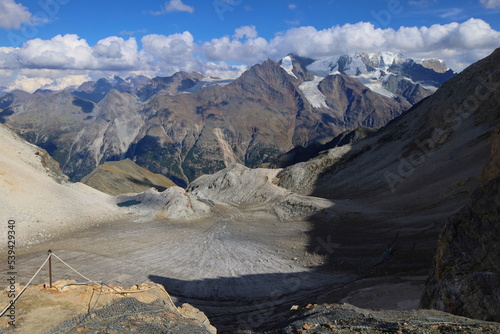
[{"x": 345, "y": 318}]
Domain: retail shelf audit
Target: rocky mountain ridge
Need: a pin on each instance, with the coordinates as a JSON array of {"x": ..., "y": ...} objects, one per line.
[{"x": 186, "y": 125}]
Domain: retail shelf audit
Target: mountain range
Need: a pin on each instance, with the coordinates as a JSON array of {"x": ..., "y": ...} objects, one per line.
[
  {"x": 187, "y": 125},
  {"x": 382, "y": 208}
]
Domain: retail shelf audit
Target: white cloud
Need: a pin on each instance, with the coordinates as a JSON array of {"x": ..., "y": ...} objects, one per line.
[
  {"x": 461, "y": 38},
  {"x": 491, "y": 3},
  {"x": 223, "y": 70},
  {"x": 174, "y": 6},
  {"x": 72, "y": 52},
  {"x": 116, "y": 53},
  {"x": 292, "y": 6},
  {"x": 8, "y": 58},
  {"x": 172, "y": 48},
  {"x": 68, "y": 51},
  {"x": 459, "y": 44},
  {"x": 248, "y": 31},
  {"x": 31, "y": 80},
  {"x": 250, "y": 51},
  {"x": 12, "y": 14}
]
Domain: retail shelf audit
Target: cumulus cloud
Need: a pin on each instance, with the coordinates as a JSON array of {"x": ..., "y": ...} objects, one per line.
[
  {"x": 173, "y": 48},
  {"x": 72, "y": 52},
  {"x": 31, "y": 80},
  {"x": 116, "y": 53},
  {"x": 174, "y": 6},
  {"x": 491, "y": 3},
  {"x": 8, "y": 58},
  {"x": 223, "y": 70},
  {"x": 246, "y": 31},
  {"x": 13, "y": 15},
  {"x": 472, "y": 35},
  {"x": 292, "y": 6},
  {"x": 459, "y": 44}
]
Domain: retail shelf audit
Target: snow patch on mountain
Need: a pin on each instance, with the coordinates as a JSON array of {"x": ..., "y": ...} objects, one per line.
[
  {"x": 313, "y": 94},
  {"x": 374, "y": 85},
  {"x": 287, "y": 65},
  {"x": 324, "y": 67}
]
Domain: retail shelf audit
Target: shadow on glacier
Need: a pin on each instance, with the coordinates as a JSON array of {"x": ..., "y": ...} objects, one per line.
[{"x": 250, "y": 302}]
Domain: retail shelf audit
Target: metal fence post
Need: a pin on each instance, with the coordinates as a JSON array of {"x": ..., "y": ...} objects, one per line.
[{"x": 50, "y": 268}]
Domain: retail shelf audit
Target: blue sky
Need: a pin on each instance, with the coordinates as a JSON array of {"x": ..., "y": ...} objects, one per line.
[{"x": 54, "y": 43}]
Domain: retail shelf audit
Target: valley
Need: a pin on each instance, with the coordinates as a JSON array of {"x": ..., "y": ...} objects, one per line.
[
  {"x": 242, "y": 269},
  {"x": 363, "y": 221}
]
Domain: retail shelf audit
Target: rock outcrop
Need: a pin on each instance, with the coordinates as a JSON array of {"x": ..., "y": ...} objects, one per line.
[
  {"x": 465, "y": 278},
  {"x": 69, "y": 307},
  {"x": 242, "y": 187},
  {"x": 173, "y": 203}
]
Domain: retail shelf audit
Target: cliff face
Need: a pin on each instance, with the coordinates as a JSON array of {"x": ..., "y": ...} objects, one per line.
[{"x": 465, "y": 279}]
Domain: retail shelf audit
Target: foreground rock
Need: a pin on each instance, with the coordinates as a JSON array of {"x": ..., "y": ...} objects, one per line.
[
  {"x": 465, "y": 279},
  {"x": 345, "y": 319},
  {"x": 74, "y": 308},
  {"x": 125, "y": 176}
]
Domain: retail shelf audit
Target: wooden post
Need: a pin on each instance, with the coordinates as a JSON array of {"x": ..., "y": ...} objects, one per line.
[{"x": 50, "y": 268}]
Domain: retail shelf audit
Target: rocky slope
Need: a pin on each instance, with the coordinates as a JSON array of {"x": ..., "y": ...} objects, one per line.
[
  {"x": 186, "y": 125},
  {"x": 302, "y": 154},
  {"x": 465, "y": 278},
  {"x": 34, "y": 194},
  {"x": 120, "y": 177},
  {"x": 345, "y": 319}
]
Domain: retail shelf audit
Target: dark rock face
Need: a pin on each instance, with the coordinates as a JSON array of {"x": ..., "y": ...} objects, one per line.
[
  {"x": 411, "y": 92},
  {"x": 465, "y": 279},
  {"x": 301, "y": 154},
  {"x": 418, "y": 72}
]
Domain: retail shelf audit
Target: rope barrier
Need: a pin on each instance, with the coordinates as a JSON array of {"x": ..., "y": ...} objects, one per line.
[
  {"x": 88, "y": 281},
  {"x": 70, "y": 267},
  {"x": 29, "y": 282}
]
